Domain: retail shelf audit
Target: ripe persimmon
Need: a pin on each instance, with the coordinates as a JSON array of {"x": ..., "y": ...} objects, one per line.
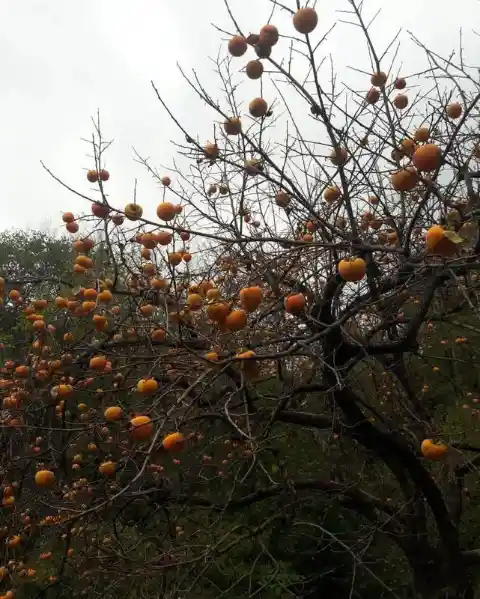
[
  {"x": 174, "y": 258},
  {"x": 211, "y": 151},
  {"x": 233, "y": 126},
  {"x": 44, "y": 478},
  {"x": 305, "y": 20},
  {"x": 251, "y": 297},
  {"x": 194, "y": 301},
  {"x": 141, "y": 428},
  {"x": 68, "y": 217},
  {"x": 236, "y": 320},
  {"x": 352, "y": 269},
  {"x": 268, "y": 35},
  {"x": 174, "y": 442},
  {"x": 72, "y": 227},
  {"x": 373, "y": 95},
  {"x": 454, "y": 110},
  {"x": 407, "y": 146},
  {"x": 90, "y": 293},
  {"x": 84, "y": 261},
  {"x": 404, "y": 179},
  {"x": 427, "y": 157},
  {"x": 218, "y": 311},
  {"x": 283, "y": 199},
  {"x": 22, "y": 372},
  {"x": 378, "y": 79},
  {"x": 258, "y": 107},
  {"x": 100, "y": 210},
  {"x": 147, "y": 309},
  {"x": 98, "y": 363},
  {"x": 113, "y": 414},
  {"x": 433, "y": 451},
  {"x": 422, "y": 134},
  {"x": 294, "y": 303},
  {"x": 237, "y": 46},
  {"x": 338, "y": 156},
  {"x": 107, "y": 468},
  {"x": 105, "y": 296},
  {"x": 331, "y": 194},
  {"x": 166, "y": 211},
  {"x": 400, "y": 101},
  {"x": 254, "y": 69},
  {"x": 158, "y": 335},
  {"x": 437, "y": 242}
]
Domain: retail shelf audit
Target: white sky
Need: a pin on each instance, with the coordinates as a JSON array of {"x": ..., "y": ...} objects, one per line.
[{"x": 63, "y": 59}]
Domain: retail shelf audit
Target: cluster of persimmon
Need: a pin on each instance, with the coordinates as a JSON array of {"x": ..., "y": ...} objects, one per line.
[
  {"x": 304, "y": 21},
  {"x": 421, "y": 156}
]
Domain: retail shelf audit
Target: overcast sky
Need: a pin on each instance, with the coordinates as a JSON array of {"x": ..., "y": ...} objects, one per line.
[{"x": 63, "y": 59}]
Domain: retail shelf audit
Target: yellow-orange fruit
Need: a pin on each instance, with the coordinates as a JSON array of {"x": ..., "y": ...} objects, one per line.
[
  {"x": 166, "y": 211},
  {"x": 438, "y": 243},
  {"x": 174, "y": 258},
  {"x": 427, "y": 157},
  {"x": 113, "y": 413},
  {"x": 218, "y": 311},
  {"x": 107, "y": 468},
  {"x": 294, "y": 303},
  {"x": 250, "y": 298},
  {"x": 194, "y": 301},
  {"x": 147, "y": 386},
  {"x": 44, "y": 478},
  {"x": 174, "y": 442},
  {"x": 98, "y": 363},
  {"x": 236, "y": 320},
  {"x": 352, "y": 269},
  {"x": 105, "y": 296},
  {"x": 404, "y": 179},
  {"x": 141, "y": 428},
  {"x": 433, "y": 451},
  {"x": 331, "y": 194}
]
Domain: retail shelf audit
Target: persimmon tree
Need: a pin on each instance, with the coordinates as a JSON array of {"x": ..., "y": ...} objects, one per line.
[{"x": 293, "y": 336}]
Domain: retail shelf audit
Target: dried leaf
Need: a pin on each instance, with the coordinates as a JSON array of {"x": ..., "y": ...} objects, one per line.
[{"x": 452, "y": 236}]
